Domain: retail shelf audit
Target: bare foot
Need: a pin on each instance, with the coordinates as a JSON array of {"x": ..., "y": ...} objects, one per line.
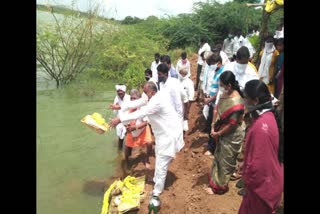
[
  {"x": 208, "y": 190},
  {"x": 148, "y": 166}
]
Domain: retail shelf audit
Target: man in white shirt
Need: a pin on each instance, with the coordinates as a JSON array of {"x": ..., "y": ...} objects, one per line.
[
  {"x": 119, "y": 100},
  {"x": 149, "y": 77},
  {"x": 183, "y": 63},
  {"x": 227, "y": 46},
  {"x": 204, "y": 46},
  {"x": 166, "y": 129},
  {"x": 188, "y": 87},
  {"x": 154, "y": 66},
  {"x": 165, "y": 59},
  {"x": 242, "y": 68},
  {"x": 279, "y": 32},
  {"x": 238, "y": 42}
]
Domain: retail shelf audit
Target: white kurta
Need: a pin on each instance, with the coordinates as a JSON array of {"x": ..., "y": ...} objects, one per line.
[
  {"x": 242, "y": 76},
  {"x": 173, "y": 90},
  {"x": 120, "y": 128},
  {"x": 205, "y": 47},
  {"x": 228, "y": 47},
  {"x": 224, "y": 58},
  {"x": 187, "y": 86},
  {"x": 154, "y": 70},
  {"x": 164, "y": 122}
]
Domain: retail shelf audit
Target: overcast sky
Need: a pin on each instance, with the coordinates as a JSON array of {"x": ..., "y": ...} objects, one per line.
[{"x": 119, "y": 9}]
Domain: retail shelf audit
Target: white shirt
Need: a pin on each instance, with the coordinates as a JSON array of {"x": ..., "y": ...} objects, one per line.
[
  {"x": 238, "y": 42},
  {"x": 187, "y": 86},
  {"x": 227, "y": 47},
  {"x": 242, "y": 76},
  {"x": 117, "y": 100},
  {"x": 248, "y": 44},
  {"x": 165, "y": 124},
  {"x": 180, "y": 65},
  {"x": 154, "y": 70},
  {"x": 224, "y": 57},
  {"x": 134, "y": 103},
  {"x": 205, "y": 47},
  {"x": 279, "y": 34},
  {"x": 173, "y": 90},
  {"x": 137, "y": 132}
]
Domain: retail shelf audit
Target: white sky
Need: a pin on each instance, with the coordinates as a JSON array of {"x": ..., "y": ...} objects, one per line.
[{"x": 119, "y": 9}]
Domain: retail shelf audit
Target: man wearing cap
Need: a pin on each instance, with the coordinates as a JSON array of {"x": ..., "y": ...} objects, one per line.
[{"x": 119, "y": 100}]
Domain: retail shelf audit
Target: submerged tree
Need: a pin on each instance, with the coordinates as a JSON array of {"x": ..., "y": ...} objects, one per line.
[{"x": 65, "y": 48}]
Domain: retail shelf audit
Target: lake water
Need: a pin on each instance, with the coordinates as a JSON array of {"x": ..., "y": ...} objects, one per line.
[{"x": 73, "y": 161}]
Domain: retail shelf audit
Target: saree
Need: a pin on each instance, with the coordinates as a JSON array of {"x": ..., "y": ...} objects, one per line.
[
  {"x": 230, "y": 111},
  {"x": 138, "y": 137}
]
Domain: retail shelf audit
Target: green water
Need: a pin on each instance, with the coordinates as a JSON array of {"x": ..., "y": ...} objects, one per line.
[{"x": 73, "y": 161}]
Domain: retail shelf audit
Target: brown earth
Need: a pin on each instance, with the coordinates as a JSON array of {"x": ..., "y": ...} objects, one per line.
[{"x": 188, "y": 173}]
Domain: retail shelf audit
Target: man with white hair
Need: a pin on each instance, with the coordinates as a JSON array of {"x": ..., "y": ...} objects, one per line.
[
  {"x": 167, "y": 131},
  {"x": 187, "y": 86},
  {"x": 119, "y": 100}
]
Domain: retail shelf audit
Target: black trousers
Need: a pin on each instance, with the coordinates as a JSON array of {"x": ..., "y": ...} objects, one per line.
[
  {"x": 198, "y": 76},
  {"x": 211, "y": 142}
]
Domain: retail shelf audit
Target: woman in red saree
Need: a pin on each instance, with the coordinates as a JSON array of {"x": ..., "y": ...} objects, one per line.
[
  {"x": 228, "y": 131},
  {"x": 262, "y": 170}
]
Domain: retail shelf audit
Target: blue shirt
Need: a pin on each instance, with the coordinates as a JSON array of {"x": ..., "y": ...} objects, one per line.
[
  {"x": 173, "y": 73},
  {"x": 215, "y": 83}
]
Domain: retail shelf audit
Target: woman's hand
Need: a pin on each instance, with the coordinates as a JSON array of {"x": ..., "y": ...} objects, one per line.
[{"x": 214, "y": 134}]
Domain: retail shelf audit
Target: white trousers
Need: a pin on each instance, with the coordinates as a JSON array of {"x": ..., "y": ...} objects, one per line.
[{"x": 160, "y": 173}]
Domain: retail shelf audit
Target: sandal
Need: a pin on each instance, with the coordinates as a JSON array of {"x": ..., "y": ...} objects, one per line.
[{"x": 235, "y": 176}]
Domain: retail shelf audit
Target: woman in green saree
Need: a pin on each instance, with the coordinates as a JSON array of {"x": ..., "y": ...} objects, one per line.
[{"x": 229, "y": 131}]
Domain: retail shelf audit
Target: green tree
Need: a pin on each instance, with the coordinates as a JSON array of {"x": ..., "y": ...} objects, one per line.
[
  {"x": 218, "y": 18},
  {"x": 183, "y": 31},
  {"x": 129, "y": 20},
  {"x": 65, "y": 49}
]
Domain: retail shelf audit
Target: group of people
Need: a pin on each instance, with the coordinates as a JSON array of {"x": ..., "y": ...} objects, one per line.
[
  {"x": 239, "y": 105},
  {"x": 164, "y": 105}
]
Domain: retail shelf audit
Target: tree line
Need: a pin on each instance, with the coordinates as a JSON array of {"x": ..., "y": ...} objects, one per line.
[{"x": 122, "y": 50}]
